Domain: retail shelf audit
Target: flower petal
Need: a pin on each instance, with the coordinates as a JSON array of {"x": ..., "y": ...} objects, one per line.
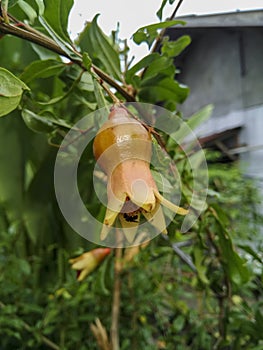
[
  {"x": 170, "y": 205},
  {"x": 142, "y": 194},
  {"x": 113, "y": 209},
  {"x": 156, "y": 218}
]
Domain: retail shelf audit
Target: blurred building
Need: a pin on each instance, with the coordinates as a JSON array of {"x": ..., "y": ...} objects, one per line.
[{"x": 224, "y": 66}]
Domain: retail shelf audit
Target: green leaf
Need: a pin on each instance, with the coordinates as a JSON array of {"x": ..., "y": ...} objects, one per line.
[
  {"x": 41, "y": 7},
  {"x": 86, "y": 82},
  {"x": 42, "y": 124},
  {"x": 93, "y": 41},
  {"x": 163, "y": 66},
  {"x": 78, "y": 80},
  {"x": 196, "y": 119},
  {"x": 41, "y": 69},
  {"x": 165, "y": 89},
  {"x": 149, "y": 33},
  {"x": 163, "y": 184},
  {"x": 199, "y": 264},
  {"x": 37, "y": 123},
  {"x": 174, "y": 48},
  {"x": 11, "y": 90},
  {"x": 200, "y": 117},
  {"x": 38, "y": 207},
  {"x": 64, "y": 44},
  {"x": 144, "y": 62},
  {"x": 234, "y": 265},
  {"x": 56, "y": 14},
  {"x": 13, "y": 155},
  {"x": 11, "y": 3},
  {"x": 251, "y": 251},
  {"x": 28, "y": 10}
]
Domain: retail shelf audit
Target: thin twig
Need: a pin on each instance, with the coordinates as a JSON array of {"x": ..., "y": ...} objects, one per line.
[
  {"x": 115, "y": 99},
  {"x": 115, "y": 342},
  {"x": 184, "y": 257},
  {"x": 161, "y": 35}
]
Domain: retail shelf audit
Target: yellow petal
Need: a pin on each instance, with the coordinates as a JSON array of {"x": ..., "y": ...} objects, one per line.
[
  {"x": 104, "y": 232},
  {"x": 113, "y": 208},
  {"x": 82, "y": 261},
  {"x": 156, "y": 218},
  {"x": 170, "y": 205},
  {"x": 143, "y": 195}
]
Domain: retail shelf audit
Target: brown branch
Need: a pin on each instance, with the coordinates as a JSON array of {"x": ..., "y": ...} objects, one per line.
[
  {"x": 49, "y": 44},
  {"x": 115, "y": 99},
  {"x": 25, "y": 32},
  {"x": 115, "y": 343},
  {"x": 113, "y": 83}
]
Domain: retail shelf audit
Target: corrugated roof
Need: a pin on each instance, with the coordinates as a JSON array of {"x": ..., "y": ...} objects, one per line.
[{"x": 229, "y": 19}]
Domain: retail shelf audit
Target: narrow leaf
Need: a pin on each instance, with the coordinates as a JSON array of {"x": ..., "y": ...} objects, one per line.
[
  {"x": 28, "y": 10},
  {"x": 56, "y": 14},
  {"x": 42, "y": 124},
  {"x": 195, "y": 120},
  {"x": 144, "y": 62},
  {"x": 93, "y": 41},
  {"x": 41, "y": 69},
  {"x": 64, "y": 44}
]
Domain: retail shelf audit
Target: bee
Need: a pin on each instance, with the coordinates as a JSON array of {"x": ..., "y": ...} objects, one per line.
[{"x": 130, "y": 217}]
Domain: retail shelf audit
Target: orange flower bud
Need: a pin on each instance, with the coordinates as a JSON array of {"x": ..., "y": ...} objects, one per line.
[{"x": 87, "y": 262}]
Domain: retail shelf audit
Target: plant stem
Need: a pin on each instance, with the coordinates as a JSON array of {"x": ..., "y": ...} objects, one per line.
[
  {"x": 25, "y": 32},
  {"x": 160, "y": 36},
  {"x": 116, "y": 300},
  {"x": 115, "y": 99},
  {"x": 224, "y": 297}
]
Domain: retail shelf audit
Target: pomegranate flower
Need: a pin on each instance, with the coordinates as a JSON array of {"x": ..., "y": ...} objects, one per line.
[
  {"x": 87, "y": 262},
  {"x": 123, "y": 149}
]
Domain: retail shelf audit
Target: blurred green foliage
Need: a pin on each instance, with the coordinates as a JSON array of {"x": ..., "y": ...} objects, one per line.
[{"x": 166, "y": 303}]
